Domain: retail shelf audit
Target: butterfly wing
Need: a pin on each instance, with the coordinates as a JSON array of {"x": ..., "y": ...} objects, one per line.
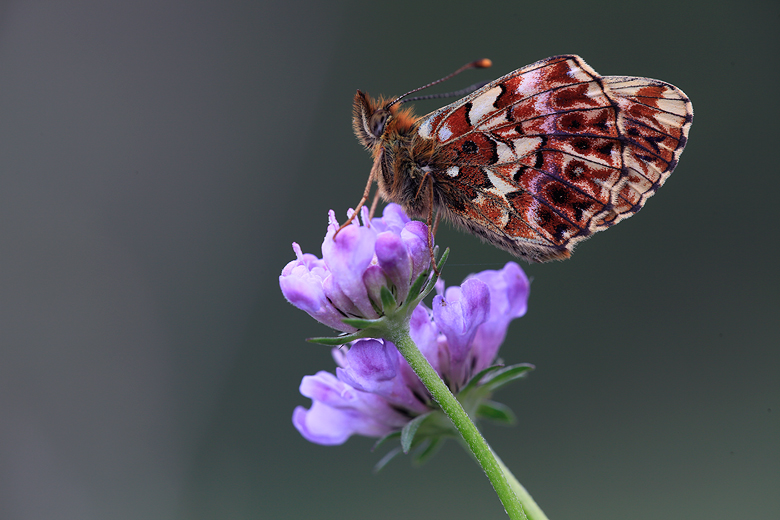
[
  {"x": 654, "y": 118},
  {"x": 547, "y": 155}
]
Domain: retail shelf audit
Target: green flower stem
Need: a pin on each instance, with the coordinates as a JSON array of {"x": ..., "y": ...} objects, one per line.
[
  {"x": 532, "y": 510},
  {"x": 449, "y": 404}
]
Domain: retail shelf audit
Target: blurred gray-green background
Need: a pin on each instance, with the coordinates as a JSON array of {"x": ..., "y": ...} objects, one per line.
[{"x": 157, "y": 158}]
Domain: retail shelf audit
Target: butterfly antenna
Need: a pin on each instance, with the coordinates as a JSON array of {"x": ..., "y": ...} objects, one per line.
[
  {"x": 457, "y": 93},
  {"x": 479, "y": 64}
]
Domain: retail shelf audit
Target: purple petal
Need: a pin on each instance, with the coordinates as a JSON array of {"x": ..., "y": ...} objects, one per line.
[
  {"x": 301, "y": 283},
  {"x": 459, "y": 313},
  {"x": 394, "y": 218},
  {"x": 509, "y": 289},
  {"x": 330, "y": 426},
  {"x": 302, "y": 289},
  {"x": 439, "y": 286},
  {"x": 339, "y": 411},
  {"x": 338, "y": 299},
  {"x": 372, "y": 366},
  {"x": 425, "y": 335},
  {"x": 311, "y": 262},
  {"x": 394, "y": 260},
  {"x": 368, "y": 365},
  {"x": 324, "y": 387},
  {"x": 323, "y": 425},
  {"x": 415, "y": 236},
  {"x": 347, "y": 257},
  {"x": 373, "y": 280},
  {"x": 339, "y": 356}
]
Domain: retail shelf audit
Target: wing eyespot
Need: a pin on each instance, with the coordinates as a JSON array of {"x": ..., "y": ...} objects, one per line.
[{"x": 470, "y": 147}]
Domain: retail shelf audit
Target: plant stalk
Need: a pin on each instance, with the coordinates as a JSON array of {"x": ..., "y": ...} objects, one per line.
[{"x": 492, "y": 467}]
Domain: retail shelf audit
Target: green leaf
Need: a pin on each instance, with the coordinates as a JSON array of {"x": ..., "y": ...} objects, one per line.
[
  {"x": 478, "y": 377},
  {"x": 443, "y": 259},
  {"x": 496, "y": 412},
  {"x": 429, "y": 451},
  {"x": 408, "y": 431},
  {"x": 507, "y": 375},
  {"x": 360, "y": 323},
  {"x": 387, "y": 458},
  {"x": 392, "y": 435},
  {"x": 435, "y": 278},
  {"x": 414, "y": 290},
  {"x": 388, "y": 300},
  {"x": 333, "y": 342}
]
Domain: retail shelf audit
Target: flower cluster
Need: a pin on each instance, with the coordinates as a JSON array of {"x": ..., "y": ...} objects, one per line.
[
  {"x": 370, "y": 279},
  {"x": 391, "y": 253},
  {"x": 375, "y": 392}
]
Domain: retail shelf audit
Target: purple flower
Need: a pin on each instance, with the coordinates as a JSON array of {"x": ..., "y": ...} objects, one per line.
[
  {"x": 391, "y": 253},
  {"x": 375, "y": 392}
]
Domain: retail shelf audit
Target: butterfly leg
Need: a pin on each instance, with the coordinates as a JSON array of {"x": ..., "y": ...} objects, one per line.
[
  {"x": 373, "y": 205},
  {"x": 431, "y": 226},
  {"x": 429, "y": 220},
  {"x": 366, "y": 193}
]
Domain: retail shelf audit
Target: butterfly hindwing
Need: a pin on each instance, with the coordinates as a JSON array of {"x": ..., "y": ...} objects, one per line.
[{"x": 654, "y": 118}]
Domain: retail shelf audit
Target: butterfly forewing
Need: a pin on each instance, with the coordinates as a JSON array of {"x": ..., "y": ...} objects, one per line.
[{"x": 548, "y": 154}]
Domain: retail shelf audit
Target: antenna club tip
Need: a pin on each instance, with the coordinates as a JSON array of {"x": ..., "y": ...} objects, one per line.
[{"x": 483, "y": 63}]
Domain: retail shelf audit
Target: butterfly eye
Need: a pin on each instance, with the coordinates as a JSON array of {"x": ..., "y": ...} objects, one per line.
[{"x": 376, "y": 124}]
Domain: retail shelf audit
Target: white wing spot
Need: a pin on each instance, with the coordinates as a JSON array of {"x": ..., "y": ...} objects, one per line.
[
  {"x": 500, "y": 185},
  {"x": 453, "y": 171},
  {"x": 596, "y": 92},
  {"x": 527, "y": 145},
  {"x": 528, "y": 83},
  {"x": 425, "y": 129},
  {"x": 505, "y": 153},
  {"x": 444, "y": 133},
  {"x": 577, "y": 73},
  {"x": 483, "y": 104}
]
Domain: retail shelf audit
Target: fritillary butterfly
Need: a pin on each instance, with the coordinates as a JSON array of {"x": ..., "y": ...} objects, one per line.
[{"x": 535, "y": 161}]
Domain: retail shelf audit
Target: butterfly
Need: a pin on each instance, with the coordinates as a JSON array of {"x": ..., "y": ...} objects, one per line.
[{"x": 533, "y": 162}]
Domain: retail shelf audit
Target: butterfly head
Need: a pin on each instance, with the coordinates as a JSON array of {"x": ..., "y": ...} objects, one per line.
[
  {"x": 369, "y": 119},
  {"x": 372, "y": 118}
]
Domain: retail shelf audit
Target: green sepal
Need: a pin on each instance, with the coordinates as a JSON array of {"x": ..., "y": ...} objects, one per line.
[
  {"x": 435, "y": 278},
  {"x": 478, "y": 377},
  {"x": 360, "y": 323},
  {"x": 377, "y": 328},
  {"x": 497, "y": 412},
  {"x": 425, "y": 282},
  {"x": 333, "y": 342},
  {"x": 444, "y": 256},
  {"x": 390, "y": 455},
  {"x": 388, "y": 300},
  {"x": 414, "y": 290},
  {"x": 429, "y": 451},
  {"x": 507, "y": 375},
  {"x": 392, "y": 435},
  {"x": 410, "y": 429}
]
